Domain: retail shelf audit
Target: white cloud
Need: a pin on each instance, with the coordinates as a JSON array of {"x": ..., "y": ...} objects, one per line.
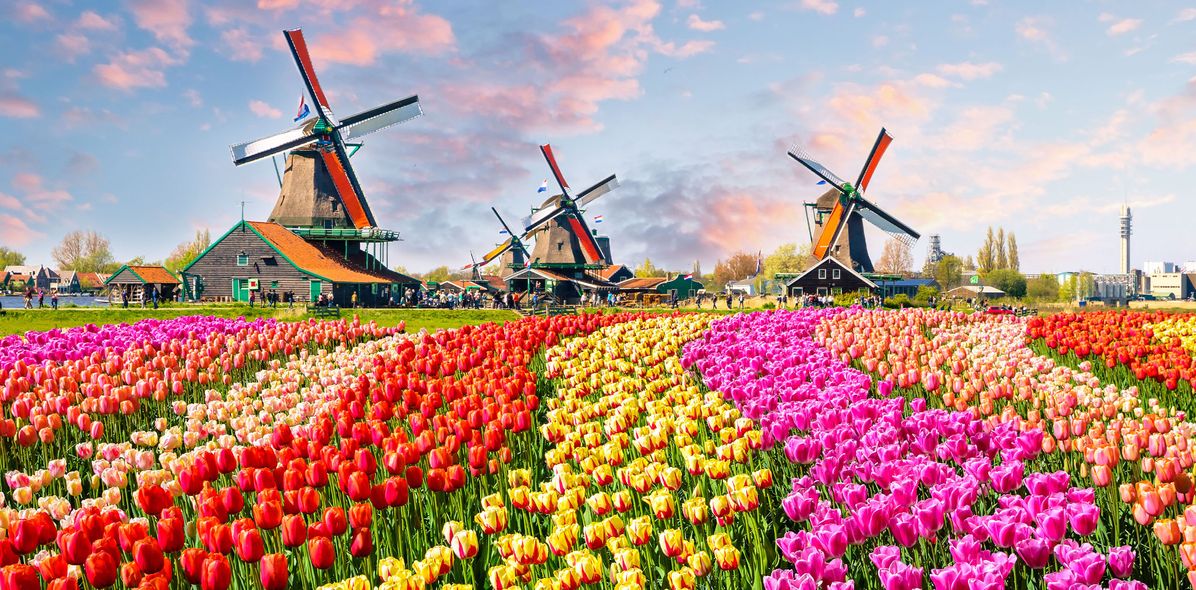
[
  {"x": 1119, "y": 26},
  {"x": 859, "y": 12},
  {"x": 1186, "y": 14},
  {"x": 933, "y": 81},
  {"x": 264, "y": 110},
  {"x": 1185, "y": 58}
]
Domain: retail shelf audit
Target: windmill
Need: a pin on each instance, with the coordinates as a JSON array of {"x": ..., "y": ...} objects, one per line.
[
  {"x": 513, "y": 244},
  {"x": 559, "y": 222},
  {"x": 314, "y": 201},
  {"x": 840, "y": 212}
]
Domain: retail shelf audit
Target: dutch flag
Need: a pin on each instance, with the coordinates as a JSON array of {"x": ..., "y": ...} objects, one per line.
[
  {"x": 303, "y": 111},
  {"x": 820, "y": 182},
  {"x": 543, "y": 186},
  {"x": 597, "y": 219},
  {"x": 689, "y": 277},
  {"x": 503, "y": 231}
]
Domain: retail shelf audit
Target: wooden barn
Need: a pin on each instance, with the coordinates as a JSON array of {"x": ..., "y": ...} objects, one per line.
[
  {"x": 829, "y": 276},
  {"x": 138, "y": 283},
  {"x": 265, "y": 257},
  {"x": 681, "y": 286}
]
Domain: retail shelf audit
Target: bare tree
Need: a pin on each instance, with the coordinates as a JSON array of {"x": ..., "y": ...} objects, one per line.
[
  {"x": 895, "y": 259},
  {"x": 740, "y": 265},
  {"x": 188, "y": 251},
  {"x": 986, "y": 258},
  {"x": 83, "y": 251}
]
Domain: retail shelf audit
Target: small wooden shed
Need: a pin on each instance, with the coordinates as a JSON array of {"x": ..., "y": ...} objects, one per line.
[{"x": 139, "y": 283}]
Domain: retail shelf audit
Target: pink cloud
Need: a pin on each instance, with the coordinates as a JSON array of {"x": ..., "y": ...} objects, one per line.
[
  {"x": 27, "y": 181},
  {"x": 827, "y": 7},
  {"x": 9, "y": 202},
  {"x": 94, "y": 22},
  {"x": 970, "y": 71},
  {"x": 277, "y": 4},
  {"x": 136, "y": 69},
  {"x": 72, "y": 45},
  {"x": 239, "y": 45},
  {"x": 18, "y": 107},
  {"x": 28, "y": 12},
  {"x": 167, "y": 20},
  {"x": 696, "y": 23},
  {"x": 264, "y": 110},
  {"x": 1119, "y": 26},
  {"x": 14, "y": 231},
  {"x": 391, "y": 27}
]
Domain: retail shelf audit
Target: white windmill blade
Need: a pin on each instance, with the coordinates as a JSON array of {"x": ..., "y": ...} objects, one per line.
[
  {"x": 380, "y": 117},
  {"x": 604, "y": 186},
  {"x": 541, "y": 216},
  {"x": 265, "y": 147}
]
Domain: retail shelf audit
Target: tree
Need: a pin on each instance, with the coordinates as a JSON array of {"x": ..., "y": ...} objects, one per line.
[
  {"x": 1067, "y": 291},
  {"x": 1010, "y": 281},
  {"x": 439, "y": 274},
  {"x": 1043, "y": 288},
  {"x": 697, "y": 270},
  {"x": 740, "y": 265},
  {"x": 986, "y": 258},
  {"x": 1002, "y": 258},
  {"x": 10, "y": 257},
  {"x": 787, "y": 258},
  {"x": 83, "y": 251},
  {"x": 948, "y": 272},
  {"x": 185, "y": 253},
  {"x": 925, "y": 292},
  {"x": 895, "y": 259},
  {"x": 1014, "y": 262},
  {"x": 647, "y": 270},
  {"x": 969, "y": 263}
]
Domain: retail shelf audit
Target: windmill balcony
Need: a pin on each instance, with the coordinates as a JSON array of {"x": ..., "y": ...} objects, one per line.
[{"x": 366, "y": 234}]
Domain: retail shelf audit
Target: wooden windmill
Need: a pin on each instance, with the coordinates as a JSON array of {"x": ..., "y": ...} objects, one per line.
[
  {"x": 563, "y": 239},
  {"x": 511, "y": 250},
  {"x": 840, "y": 212},
  {"x": 320, "y": 191}
]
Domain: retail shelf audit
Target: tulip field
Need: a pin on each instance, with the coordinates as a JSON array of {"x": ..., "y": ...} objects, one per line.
[{"x": 813, "y": 449}]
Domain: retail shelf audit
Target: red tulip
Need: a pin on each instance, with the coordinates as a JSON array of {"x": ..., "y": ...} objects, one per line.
[
  {"x": 334, "y": 519},
  {"x": 363, "y": 543},
  {"x": 171, "y": 535},
  {"x": 8, "y": 555},
  {"x": 397, "y": 492},
  {"x": 75, "y": 546},
  {"x": 273, "y": 571},
  {"x": 361, "y": 515},
  {"x": 153, "y": 499},
  {"x": 220, "y": 539},
  {"x": 192, "y": 561},
  {"x": 415, "y": 476},
  {"x": 53, "y": 567},
  {"x": 250, "y": 546},
  {"x": 216, "y": 573},
  {"x": 130, "y": 575},
  {"x": 25, "y": 536},
  {"x": 232, "y": 499},
  {"x": 294, "y": 530},
  {"x": 67, "y": 583},
  {"x": 19, "y": 576},
  {"x": 148, "y": 556},
  {"x": 100, "y": 568},
  {"x": 321, "y": 552},
  {"x": 130, "y": 533},
  {"x": 268, "y": 515}
]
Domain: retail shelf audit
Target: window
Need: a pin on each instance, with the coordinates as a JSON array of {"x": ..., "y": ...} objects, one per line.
[
  {"x": 835, "y": 274},
  {"x": 822, "y": 273},
  {"x": 335, "y": 204},
  {"x": 327, "y": 224},
  {"x": 836, "y": 291},
  {"x": 242, "y": 259},
  {"x": 269, "y": 261},
  {"x": 822, "y": 290},
  {"x": 798, "y": 292}
]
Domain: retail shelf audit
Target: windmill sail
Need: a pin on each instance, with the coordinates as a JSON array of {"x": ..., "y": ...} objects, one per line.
[{"x": 886, "y": 222}]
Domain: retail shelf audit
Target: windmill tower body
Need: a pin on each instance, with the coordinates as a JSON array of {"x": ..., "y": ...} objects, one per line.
[
  {"x": 308, "y": 197},
  {"x": 1126, "y": 229},
  {"x": 850, "y": 247}
]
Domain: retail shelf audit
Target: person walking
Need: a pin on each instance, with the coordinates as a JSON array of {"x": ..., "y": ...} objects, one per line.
[
  {"x": 28, "y": 298},
  {"x": 154, "y": 295},
  {"x": 353, "y": 300},
  {"x": 54, "y": 300},
  {"x": 252, "y": 298},
  {"x": 729, "y": 299},
  {"x": 41, "y": 298},
  {"x": 124, "y": 298},
  {"x": 741, "y": 301}
]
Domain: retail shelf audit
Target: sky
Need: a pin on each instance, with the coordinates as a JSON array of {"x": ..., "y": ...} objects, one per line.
[{"x": 1042, "y": 118}]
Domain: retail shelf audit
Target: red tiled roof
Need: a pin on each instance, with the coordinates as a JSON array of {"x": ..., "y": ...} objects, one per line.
[
  {"x": 642, "y": 283},
  {"x": 609, "y": 271},
  {"x": 319, "y": 261},
  {"x": 90, "y": 279},
  {"x": 155, "y": 275}
]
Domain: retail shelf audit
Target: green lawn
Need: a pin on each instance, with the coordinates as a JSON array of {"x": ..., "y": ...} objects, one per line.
[{"x": 21, "y": 321}]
